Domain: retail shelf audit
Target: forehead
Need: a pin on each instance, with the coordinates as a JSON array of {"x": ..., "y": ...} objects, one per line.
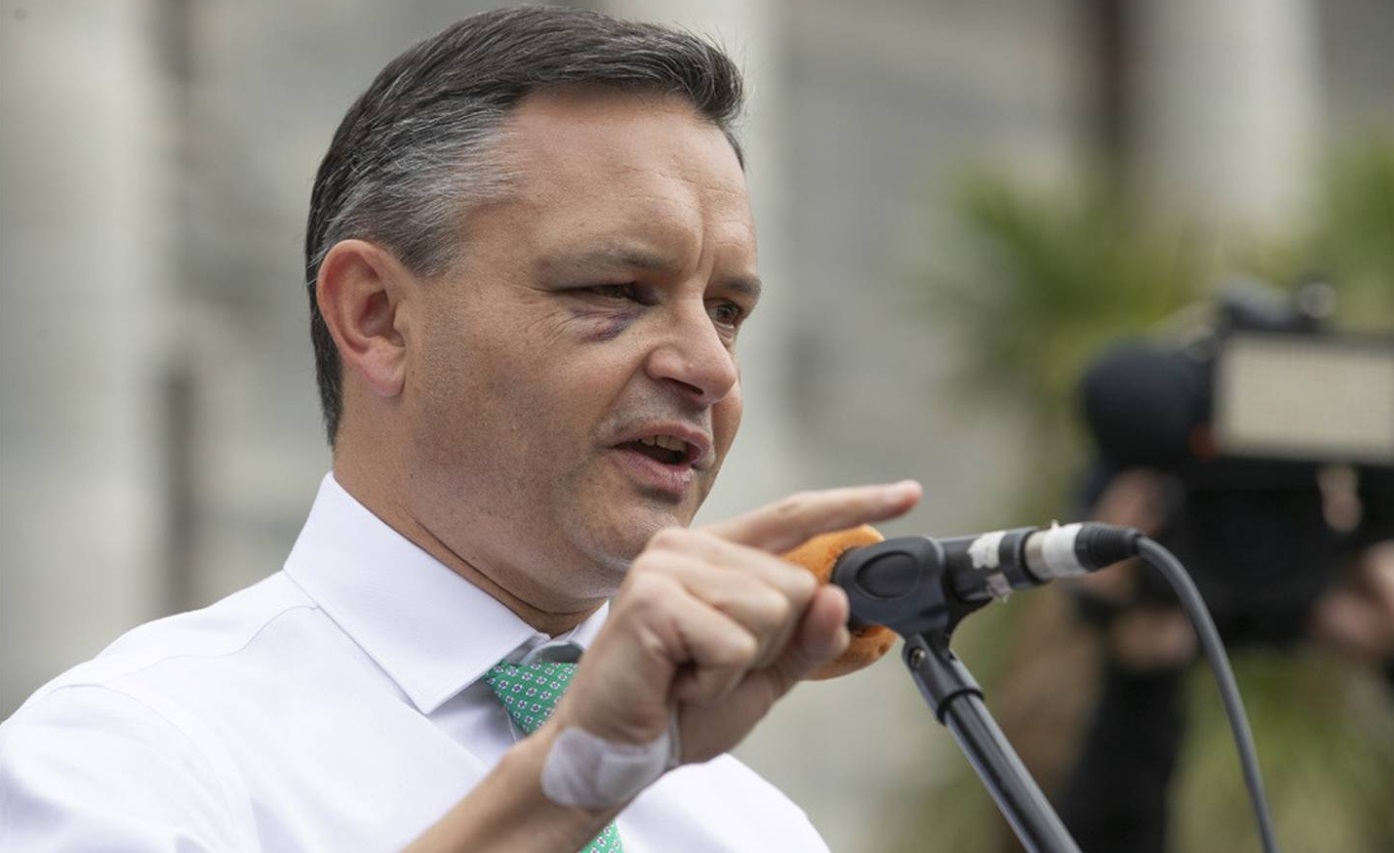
[{"x": 591, "y": 159}]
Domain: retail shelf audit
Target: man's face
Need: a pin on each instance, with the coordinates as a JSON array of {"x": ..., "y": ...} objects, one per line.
[{"x": 573, "y": 386}]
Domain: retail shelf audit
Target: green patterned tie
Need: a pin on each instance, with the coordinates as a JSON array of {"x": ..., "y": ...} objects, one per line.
[{"x": 529, "y": 692}]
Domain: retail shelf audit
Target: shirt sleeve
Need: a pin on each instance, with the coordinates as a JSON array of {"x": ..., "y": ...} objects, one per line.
[{"x": 90, "y": 768}]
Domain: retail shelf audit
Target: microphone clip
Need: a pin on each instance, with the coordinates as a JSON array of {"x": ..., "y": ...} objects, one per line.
[{"x": 900, "y": 583}]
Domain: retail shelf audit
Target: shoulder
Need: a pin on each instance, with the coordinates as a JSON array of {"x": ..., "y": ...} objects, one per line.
[
  {"x": 71, "y": 751},
  {"x": 140, "y": 689},
  {"x": 224, "y": 630},
  {"x": 68, "y": 761}
]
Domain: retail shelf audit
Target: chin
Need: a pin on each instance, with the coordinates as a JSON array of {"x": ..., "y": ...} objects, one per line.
[
  {"x": 614, "y": 549},
  {"x": 620, "y": 524}
]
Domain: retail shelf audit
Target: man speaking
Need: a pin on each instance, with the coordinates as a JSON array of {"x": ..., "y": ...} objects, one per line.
[{"x": 530, "y": 254}]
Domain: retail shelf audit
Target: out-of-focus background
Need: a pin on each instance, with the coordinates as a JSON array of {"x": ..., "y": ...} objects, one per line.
[{"x": 1114, "y": 160}]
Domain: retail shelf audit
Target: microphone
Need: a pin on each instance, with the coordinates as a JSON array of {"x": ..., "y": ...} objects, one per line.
[
  {"x": 918, "y": 585},
  {"x": 991, "y": 565}
]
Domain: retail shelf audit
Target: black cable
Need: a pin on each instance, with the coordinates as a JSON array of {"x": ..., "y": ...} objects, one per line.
[{"x": 1213, "y": 649}]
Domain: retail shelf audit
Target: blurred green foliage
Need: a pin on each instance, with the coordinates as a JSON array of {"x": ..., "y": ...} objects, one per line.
[
  {"x": 1325, "y": 734},
  {"x": 1354, "y": 235},
  {"x": 1050, "y": 278},
  {"x": 1055, "y": 275}
]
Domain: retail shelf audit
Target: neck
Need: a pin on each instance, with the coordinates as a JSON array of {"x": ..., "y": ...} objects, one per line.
[{"x": 541, "y": 609}]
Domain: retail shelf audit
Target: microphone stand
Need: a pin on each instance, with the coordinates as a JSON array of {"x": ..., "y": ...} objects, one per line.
[
  {"x": 902, "y": 584},
  {"x": 957, "y": 701}
]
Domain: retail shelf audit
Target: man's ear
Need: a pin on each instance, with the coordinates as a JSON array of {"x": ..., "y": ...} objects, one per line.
[{"x": 360, "y": 291}]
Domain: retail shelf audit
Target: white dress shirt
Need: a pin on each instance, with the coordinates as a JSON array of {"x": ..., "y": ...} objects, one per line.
[{"x": 335, "y": 706}]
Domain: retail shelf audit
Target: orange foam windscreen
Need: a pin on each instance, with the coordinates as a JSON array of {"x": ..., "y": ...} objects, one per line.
[{"x": 819, "y": 555}]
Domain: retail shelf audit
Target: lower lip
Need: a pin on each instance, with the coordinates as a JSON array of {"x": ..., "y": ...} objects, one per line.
[{"x": 670, "y": 480}]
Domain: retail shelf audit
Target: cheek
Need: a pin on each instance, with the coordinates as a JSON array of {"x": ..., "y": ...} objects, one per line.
[
  {"x": 470, "y": 389},
  {"x": 726, "y": 419}
]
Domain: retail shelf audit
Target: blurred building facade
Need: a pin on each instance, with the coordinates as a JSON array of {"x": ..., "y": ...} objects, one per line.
[{"x": 160, "y": 436}]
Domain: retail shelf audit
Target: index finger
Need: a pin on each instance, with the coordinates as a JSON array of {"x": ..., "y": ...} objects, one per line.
[{"x": 788, "y": 523}]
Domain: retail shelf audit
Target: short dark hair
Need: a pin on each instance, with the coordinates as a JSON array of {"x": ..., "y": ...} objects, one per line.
[{"x": 415, "y": 152}]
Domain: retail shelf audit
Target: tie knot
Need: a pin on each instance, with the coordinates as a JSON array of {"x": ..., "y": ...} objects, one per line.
[{"x": 529, "y": 692}]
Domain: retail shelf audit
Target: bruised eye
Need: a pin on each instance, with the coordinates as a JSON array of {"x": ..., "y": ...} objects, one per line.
[{"x": 626, "y": 292}]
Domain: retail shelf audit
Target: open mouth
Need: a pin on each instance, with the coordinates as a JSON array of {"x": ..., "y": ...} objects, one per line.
[{"x": 663, "y": 448}]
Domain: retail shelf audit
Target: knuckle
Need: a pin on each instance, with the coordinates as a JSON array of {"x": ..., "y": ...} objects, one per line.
[
  {"x": 669, "y": 538},
  {"x": 741, "y": 649},
  {"x": 792, "y": 515},
  {"x": 643, "y": 590},
  {"x": 792, "y": 506},
  {"x": 774, "y": 607},
  {"x": 803, "y": 583}
]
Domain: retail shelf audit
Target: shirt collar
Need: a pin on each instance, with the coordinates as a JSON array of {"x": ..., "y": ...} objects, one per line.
[{"x": 433, "y": 632}]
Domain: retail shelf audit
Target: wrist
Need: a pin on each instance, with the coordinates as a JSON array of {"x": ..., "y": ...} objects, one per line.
[
  {"x": 584, "y": 770},
  {"x": 509, "y": 811}
]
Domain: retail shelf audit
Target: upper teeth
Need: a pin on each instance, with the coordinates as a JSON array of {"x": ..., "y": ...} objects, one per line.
[{"x": 667, "y": 442}]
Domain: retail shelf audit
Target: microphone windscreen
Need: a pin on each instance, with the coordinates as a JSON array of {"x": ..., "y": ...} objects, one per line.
[{"x": 819, "y": 555}]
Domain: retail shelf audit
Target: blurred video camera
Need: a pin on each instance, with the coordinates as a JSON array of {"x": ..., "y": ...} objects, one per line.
[{"x": 1278, "y": 438}]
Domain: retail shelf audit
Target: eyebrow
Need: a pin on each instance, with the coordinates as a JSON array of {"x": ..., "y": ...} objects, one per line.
[{"x": 607, "y": 259}]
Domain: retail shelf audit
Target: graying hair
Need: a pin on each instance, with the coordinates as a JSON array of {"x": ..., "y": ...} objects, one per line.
[{"x": 420, "y": 148}]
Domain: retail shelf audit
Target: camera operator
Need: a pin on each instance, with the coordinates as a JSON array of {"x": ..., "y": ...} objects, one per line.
[
  {"x": 1115, "y": 798},
  {"x": 1258, "y": 445}
]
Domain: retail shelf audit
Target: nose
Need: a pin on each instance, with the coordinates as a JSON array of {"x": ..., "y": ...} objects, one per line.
[{"x": 693, "y": 357}]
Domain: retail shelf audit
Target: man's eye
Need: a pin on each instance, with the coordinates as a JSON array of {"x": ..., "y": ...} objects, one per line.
[
  {"x": 629, "y": 292},
  {"x": 727, "y": 314}
]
